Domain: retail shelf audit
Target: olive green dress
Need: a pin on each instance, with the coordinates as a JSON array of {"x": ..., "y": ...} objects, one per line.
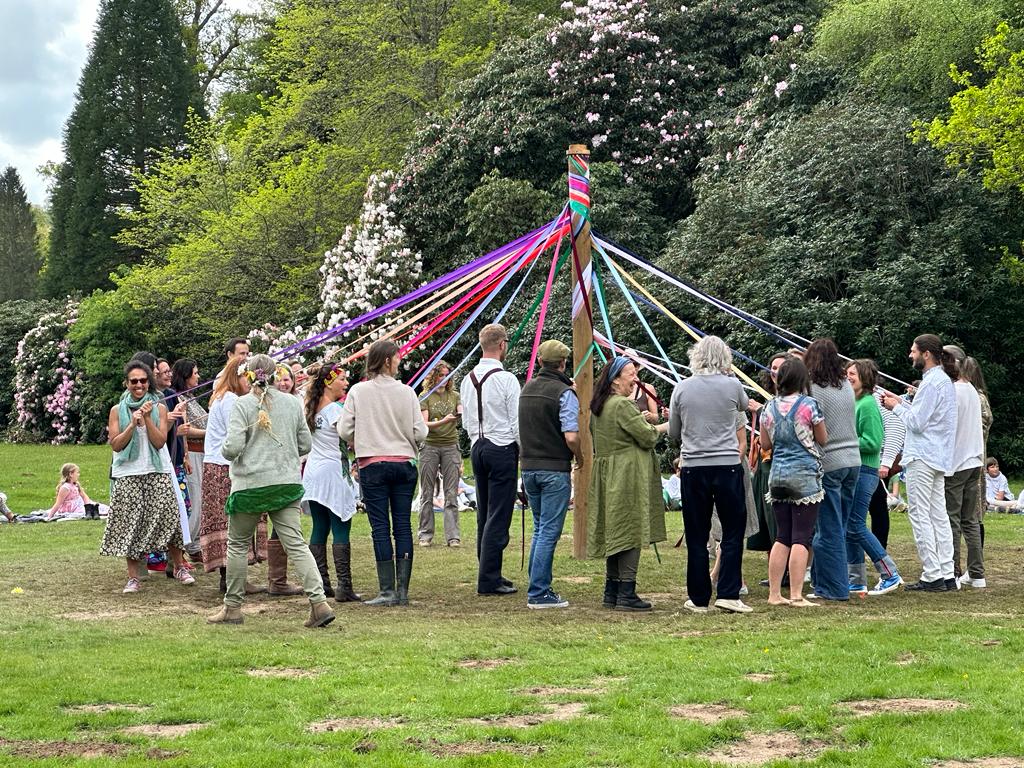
[{"x": 625, "y": 509}]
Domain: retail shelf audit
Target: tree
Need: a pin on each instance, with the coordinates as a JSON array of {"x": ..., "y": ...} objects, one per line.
[
  {"x": 132, "y": 101},
  {"x": 19, "y": 240},
  {"x": 216, "y": 37}
]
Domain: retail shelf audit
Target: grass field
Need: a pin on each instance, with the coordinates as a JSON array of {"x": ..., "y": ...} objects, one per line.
[{"x": 90, "y": 676}]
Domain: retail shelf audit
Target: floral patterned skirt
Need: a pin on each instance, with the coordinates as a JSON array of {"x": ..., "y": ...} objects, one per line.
[
  {"x": 213, "y": 529},
  {"x": 143, "y": 516}
]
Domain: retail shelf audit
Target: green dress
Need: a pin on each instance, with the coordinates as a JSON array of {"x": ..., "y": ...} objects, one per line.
[{"x": 625, "y": 509}]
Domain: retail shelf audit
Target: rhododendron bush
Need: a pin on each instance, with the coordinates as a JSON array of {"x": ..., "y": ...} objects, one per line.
[{"x": 46, "y": 384}]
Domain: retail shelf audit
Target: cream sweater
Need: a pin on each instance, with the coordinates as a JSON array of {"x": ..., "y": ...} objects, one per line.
[{"x": 384, "y": 418}]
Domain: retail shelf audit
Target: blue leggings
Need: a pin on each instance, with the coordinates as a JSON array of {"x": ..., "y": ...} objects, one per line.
[{"x": 324, "y": 522}]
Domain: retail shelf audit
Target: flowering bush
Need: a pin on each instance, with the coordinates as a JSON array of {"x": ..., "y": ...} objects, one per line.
[
  {"x": 369, "y": 266},
  {"x": 46, "y": 382}
]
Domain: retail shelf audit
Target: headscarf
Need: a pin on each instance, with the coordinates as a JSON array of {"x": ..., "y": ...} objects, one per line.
[
  {"x": 617, "y": 364},
  {"x": 125, "y": 406}
]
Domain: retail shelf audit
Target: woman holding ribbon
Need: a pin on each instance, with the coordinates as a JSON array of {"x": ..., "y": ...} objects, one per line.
[
  {"x": 625, "y": 503},
  {"x": 143, "y": 510}
]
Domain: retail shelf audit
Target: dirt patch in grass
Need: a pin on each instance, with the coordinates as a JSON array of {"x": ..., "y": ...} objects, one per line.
[
  {"x": 869, "y": 707},
  {"x": 575, "y": 579},
  {"x": 555, "y": 712},
  {"x": 286, "y": 672},
  {"x": 991, "y": 643},
  {"x": 660, "y": 596},
  {"x": 763, "y": 748},
  {"x": 102, "y": 709},
  {"x": 38, "y": 750},
  {"x": 365, "y": 747},
  {"x": 469, "y": 748},
  {"x": 163, "y": 731},
  {"x": 597, "y": 687},
  {"x": 353, "y": 724},
  {"x": 759, "y": 677},
  {"x": 982, "y": 762},
  {"x": 905, "y": 660},
  {"x": 706, "y": 714},
  {"x": 483, "y": 663},
  {"x": 163, "y": 754}
]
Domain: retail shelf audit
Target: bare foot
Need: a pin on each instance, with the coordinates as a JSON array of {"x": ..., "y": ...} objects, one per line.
[
  {"x": 778, "y": 601},
  {"x": 801, "y": 603}
]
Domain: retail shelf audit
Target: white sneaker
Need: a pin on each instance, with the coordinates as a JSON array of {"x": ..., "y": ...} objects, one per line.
[
  {"x": 967, "y": 581},
  {"x": 131, "y": 587},
  {"x": 807, "y": 575},
  {"x": 694, "y": 608},
  {"x": 183, "y": 576},
  {"x": 744, "y": 590},
  {"x": 733, "y": 606}
]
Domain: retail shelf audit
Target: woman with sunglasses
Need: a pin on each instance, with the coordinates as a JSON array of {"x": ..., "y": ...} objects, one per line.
[{"x": 143, "y": 509}]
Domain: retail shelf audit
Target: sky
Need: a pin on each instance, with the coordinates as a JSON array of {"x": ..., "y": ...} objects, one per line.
[{"x": 43, "y": 47}]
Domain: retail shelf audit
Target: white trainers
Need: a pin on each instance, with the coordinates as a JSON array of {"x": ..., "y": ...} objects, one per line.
[
  {"x": 131, "y": 587},
  {"x": 183, "y": 576},
  {"x": 967, "y": 581},
  {"x": 692, "y": 607},
  {"x": 733, "y": 606}
]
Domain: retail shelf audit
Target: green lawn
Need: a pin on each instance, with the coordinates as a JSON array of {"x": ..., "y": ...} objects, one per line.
[{"x": 460, "y": 680}]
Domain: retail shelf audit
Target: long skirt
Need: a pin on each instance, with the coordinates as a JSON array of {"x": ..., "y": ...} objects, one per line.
[
  {"x": 143, "y": 516},
  {"x": 213, "y": 530}
]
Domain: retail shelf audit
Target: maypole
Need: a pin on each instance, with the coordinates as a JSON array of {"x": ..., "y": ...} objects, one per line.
[{"x": 582, "y": 332}]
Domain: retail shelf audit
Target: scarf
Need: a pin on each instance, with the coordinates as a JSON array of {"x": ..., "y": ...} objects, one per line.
[{"x": 125, "y": 406}]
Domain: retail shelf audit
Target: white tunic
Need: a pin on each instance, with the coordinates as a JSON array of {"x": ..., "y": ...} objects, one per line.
[
  {"x": 143, "y": 463},
  {"x": 324, "y": 479}
]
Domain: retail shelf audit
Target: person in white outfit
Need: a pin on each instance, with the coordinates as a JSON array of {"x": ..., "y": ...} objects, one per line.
[{"x": 928, "y": 455}]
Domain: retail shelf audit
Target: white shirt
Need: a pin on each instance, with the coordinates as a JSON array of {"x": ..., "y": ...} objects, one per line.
[
  {"x": 993, "y": 485},
  {"x": 930, "y": 421},
  {"x": 969, "y": 448},
  {"x": 324, "y": 480},
  {"x": 501, "y": 404},
  {"x": 217, "y": 429}
]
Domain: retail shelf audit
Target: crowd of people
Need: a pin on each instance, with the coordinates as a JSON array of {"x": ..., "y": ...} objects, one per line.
[{"x": 797, "y": 476}]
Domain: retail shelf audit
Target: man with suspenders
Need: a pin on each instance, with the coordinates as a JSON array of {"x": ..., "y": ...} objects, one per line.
[{"x": 490, "y": 416}]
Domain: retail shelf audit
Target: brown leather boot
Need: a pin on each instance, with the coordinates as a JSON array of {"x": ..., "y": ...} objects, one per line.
[
  {"x": 343, "y": 565},
  {"x": 277, "y": 571},
  {"x": 319, "y": 552},
  {"x": 320, "y": 615},
  {"x": 226, "y": 615}
]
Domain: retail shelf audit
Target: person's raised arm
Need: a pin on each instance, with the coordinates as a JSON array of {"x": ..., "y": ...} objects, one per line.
[
  {"x": 118, "y": 438},
  {"x": 156, "y": 434}
]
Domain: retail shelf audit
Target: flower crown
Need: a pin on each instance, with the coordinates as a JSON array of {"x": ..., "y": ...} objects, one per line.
[
  {"x": 334, "y": 372},
  {"x": 257, "y": 376}
]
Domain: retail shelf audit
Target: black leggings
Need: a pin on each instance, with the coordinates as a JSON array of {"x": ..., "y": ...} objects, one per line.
[
  {"x": 622, "y": 566},
  {"x": 878, "y": 508},
  {"x": 795, "y": 522}
]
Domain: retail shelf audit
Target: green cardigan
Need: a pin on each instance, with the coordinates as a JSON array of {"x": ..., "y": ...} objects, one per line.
[{"x": 869, "y": 430}]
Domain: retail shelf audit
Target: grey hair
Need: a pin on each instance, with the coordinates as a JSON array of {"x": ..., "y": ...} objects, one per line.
[
  {"x": 710, "y": 355},
  {"x": 264, "y": 364}
]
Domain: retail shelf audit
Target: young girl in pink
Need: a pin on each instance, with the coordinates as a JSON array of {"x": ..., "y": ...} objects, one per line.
[{"x": 71, "y": 499}]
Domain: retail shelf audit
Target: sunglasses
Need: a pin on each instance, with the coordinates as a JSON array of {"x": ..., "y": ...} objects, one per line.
[{"x": 138, "y": 381}]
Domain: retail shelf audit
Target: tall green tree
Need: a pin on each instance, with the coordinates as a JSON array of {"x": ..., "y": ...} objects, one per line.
[
  {"x": 132, "y": 102},
  {"x": 19, "y": 239}
]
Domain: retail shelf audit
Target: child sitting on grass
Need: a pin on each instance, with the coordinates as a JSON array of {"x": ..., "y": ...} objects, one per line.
[
  {"x": 71, "y": 498},
  {"x": 5, "y": 510}
]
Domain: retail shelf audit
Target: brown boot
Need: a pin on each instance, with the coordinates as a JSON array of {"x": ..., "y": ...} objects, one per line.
[
  {"x": 277, "y": 571},
  {"x": 254, "y": 589},
  {"x": 226, "y": 615},
  {"x": 319, "y": 552},
  {"x": 343, "y": 565},
  {"x": 320, "y": 615}
]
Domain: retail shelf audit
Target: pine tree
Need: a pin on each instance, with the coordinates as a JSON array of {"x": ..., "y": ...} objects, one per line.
[
  {"x": 19, "y": 240},
  {"x": 132, "y": 102}
]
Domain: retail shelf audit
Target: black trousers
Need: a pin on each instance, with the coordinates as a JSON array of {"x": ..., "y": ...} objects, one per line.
[
  {"x": 878, "y": 508},
  {"x": 721, "y": 488},
  {"x": 494, "y": 468}
]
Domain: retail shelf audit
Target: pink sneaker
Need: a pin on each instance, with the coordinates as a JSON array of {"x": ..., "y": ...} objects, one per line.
[
  {"x": 131, "y": 587},
  {"x": 184, "y": 577}
]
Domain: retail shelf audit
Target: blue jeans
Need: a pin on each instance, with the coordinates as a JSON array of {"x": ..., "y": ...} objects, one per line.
[
  {"x": 384, "y": 485},
  {"x": 829, "y": 573},
  {"x": 858, "y": 538},
  {"x": 549, "y": 499}
]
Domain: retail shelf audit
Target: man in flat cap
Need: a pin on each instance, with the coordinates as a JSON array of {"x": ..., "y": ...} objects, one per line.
[{"x": 550, "y": 439}]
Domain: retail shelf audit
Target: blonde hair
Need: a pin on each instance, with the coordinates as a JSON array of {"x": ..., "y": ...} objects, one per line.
[
  {"x": 491, "y": 336},
  {"x": 262, "y": 372},
  {"x": 65, "y": 474},
  {"x": 435, "y": 376}
]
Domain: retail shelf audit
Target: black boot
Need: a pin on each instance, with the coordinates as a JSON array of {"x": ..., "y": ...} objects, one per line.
[
  {"x": 386, "y": 577},
  {"x": 611, "y": 593},
  {"x": 319, "y": 552},
  {"x": 628, "y": 600},
  {"x": 403, "y": 570},
  {"x": 343, "y": 566}
]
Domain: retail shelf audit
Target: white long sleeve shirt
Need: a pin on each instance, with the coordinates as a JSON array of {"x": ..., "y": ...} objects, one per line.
[
  {"x": 500, "y": 400},
  {"x": 969, "y": 448},
  {"x": 931, "y": 422}
]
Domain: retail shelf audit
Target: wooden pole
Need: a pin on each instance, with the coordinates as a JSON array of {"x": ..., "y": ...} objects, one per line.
[{"x": 582, "y": 338}]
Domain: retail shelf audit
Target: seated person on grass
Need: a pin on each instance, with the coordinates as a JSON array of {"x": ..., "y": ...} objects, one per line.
[{"x": 997, "y": 489}]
